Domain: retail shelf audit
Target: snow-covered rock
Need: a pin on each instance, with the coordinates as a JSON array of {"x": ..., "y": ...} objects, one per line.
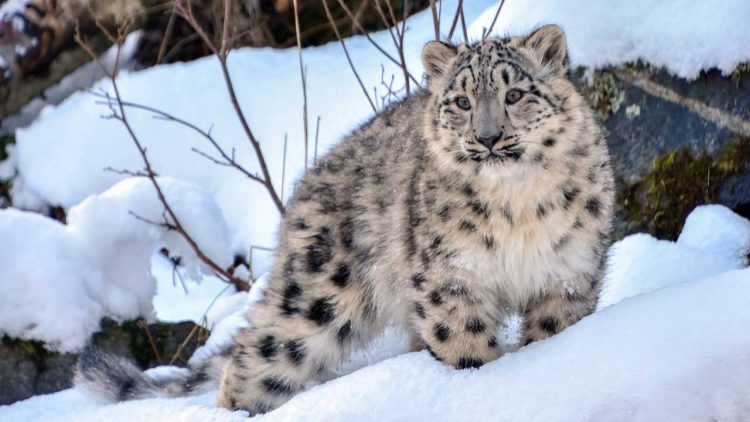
[
  {"x": 681, "y": 35},
  {"x": 57, "y": 281}
]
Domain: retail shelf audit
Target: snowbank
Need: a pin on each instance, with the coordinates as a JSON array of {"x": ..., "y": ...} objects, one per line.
[
  {"x": 683, "y": 36},
  {"x": 714, "y": 240},
  {"x": 671, "y": 353},
  {"x": 58, "y": 280}
]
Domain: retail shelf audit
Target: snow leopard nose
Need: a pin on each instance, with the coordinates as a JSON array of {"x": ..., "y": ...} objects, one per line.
[{"x": 489, "y": 141}]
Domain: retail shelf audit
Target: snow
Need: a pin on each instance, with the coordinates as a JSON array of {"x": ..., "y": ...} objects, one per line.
[
  {"x": 714, "y": 240},
  {"x": 683, "y": 36},
  {"x": 98, "y": 264},
  {"x": 226, "y": 317},
  {"x": 678, "y": 352}
]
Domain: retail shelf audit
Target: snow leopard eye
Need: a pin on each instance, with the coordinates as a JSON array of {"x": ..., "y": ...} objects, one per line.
[
  {"x": 513, "y": 96},
  {"x": 463, "y": 103}
]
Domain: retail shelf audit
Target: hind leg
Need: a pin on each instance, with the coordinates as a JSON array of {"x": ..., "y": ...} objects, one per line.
[{"x": 300, "y": 334}]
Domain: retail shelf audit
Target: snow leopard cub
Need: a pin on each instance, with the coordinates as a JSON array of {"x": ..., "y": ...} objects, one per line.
[{"x": 489, "y": 193}]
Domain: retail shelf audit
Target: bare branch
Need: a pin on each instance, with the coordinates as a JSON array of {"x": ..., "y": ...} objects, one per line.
[
  {"x": 348, "y": 58},
  {"x": 221, "y": 55},
  {"x": 463, "y": 27},
  {"x": 400, "y": 45},
  {"x": 317, "y": 132},
  {"x": 435, "y": 21},
  {"x": 487, "y": 31},
  {"x": 128, "y": 173},
  {"x": 459, "y": 10},
  {"x": 171, "y": 221},
  {"x": 151, "y": 342},
  {"x": 304, "y": 86},
  {"x": 167, "y": 35},
  {"x": 372, "y": 41},
  {"x": 227, "y": 160}
]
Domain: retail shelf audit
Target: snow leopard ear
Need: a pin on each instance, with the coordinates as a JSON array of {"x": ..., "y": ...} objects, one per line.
[
  {"x": 549, "y": 45},
  {"x": 437, "y": 58}
]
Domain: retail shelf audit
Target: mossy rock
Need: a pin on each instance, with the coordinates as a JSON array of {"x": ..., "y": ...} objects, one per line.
[
  {"x": 164, "y": 346},
  {"x": 667, "y": 159},
  {"x": 27, "y": 368},
  {"x": 678, "y": 182}
]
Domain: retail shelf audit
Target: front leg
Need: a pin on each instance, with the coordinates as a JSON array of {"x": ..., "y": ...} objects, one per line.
[
  {"x": 556, "y": 310},
  {"x": 457, "y": 324}
]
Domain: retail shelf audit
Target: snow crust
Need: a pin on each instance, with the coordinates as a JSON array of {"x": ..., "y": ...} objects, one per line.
[{"x": 682, "y": 36}]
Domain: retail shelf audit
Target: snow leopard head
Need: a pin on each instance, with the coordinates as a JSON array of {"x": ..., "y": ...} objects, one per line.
[{"x": 501, "y": 105}]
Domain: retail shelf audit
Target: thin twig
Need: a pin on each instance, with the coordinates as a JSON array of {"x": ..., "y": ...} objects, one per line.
[
  {"x": 151, "y": 341},
  {"x": 185, "y": 10},
  {"x": 463, "y": 27},
  {"x": 228, "y": 160},
  {"x": 373, "y": 42},
  {"x": 346, "y": 53},
  {"x": 459, "y": 8},
  {"x": 487, "y": 31},
  {"x": 401, "y": 45},
  {"x": 304, "y": 86},
  {"x": 435, "y": 21},
  {"x": 167, "y": 34},
  {"x": 317, "y": 132},
  {"x": 171, "y": 221},
  {"x": 178, "y": 352}
]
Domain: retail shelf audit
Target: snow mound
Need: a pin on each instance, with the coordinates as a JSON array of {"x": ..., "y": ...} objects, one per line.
[
  {"x": 683, "y": 36},
  {"x": 714, "y": 240},
  {"x": 58, "y": 280},
  {"x": 45, "y": 294}
]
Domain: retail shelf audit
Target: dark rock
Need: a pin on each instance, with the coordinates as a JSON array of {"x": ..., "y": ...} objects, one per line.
[
  {"x": 735, "y": 194},
  {"x": 662, "y": 126},
  {"x": 644, "y": 130}
]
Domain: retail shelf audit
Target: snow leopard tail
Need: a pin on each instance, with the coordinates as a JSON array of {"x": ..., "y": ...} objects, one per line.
[{"x": 118, "y": 379}]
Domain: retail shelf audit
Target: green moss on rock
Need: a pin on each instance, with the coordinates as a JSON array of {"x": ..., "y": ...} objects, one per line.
[
  {"x": 604, "y": 94},
  {"x": 678, "y": 182}
]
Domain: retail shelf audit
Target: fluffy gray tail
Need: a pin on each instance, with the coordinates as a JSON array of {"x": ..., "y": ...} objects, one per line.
[{"x": 118, "y": 379}]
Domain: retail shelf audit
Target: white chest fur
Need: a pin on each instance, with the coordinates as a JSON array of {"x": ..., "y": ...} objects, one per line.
[{"x": 525, "y": 263}]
